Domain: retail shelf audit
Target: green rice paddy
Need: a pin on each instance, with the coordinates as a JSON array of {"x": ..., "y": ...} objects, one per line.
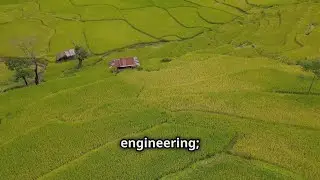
[{"x": 233, "y": 82}]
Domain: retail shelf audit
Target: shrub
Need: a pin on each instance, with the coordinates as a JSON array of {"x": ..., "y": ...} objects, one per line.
[
  {"x": 114, "y": 70},
  {"x": 81, "y": 55},
  {"x": 166, "y": 60},
  {"x": 139, "y": 68}
]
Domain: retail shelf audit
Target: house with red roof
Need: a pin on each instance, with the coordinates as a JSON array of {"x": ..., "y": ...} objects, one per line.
[{"x": 128, "y": 62}]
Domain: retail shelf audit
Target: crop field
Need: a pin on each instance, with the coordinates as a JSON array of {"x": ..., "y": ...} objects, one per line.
[{"x": 233, "y": 81}]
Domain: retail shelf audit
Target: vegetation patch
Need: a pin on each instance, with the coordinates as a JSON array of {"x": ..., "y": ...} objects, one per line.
[
  {"x": 11, "y": 36},
  {"x": 215, "y": 16},
  {"x": 271, "y": 2},
  {"x": 103, "y": 36},
  {"x": 159, "y": 25},
  {"x": 221, "y": 165},
  {"x": 125, "y": 4},
  {"x": 241, "y": 75}
]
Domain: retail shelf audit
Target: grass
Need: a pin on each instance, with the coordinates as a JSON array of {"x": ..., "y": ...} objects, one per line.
[
  {"x": 191, "y": 19},
  {"x": 65, "y": 34},
  {"x": 126, "y": 4},
  {"x": 242, "y": 4},
  {"x": 117, "y": 157},
  {"x": 221, "y": 165},
  {"x": 5, "y": 18},
  {"x": 141, "y": 20},
  {"x": 287, "y": 143},
  {"x": 215, "y": 16},
  {"x": 73, "y": 147},
  {"x": 173, "y": 4},
  {"x": 14, "y": 36},
  {"x": 271, "y": 2},
  {"x": 7, "y": 2},
  {"x": 232, "y": 82},
  {"x": 5, "y": 74},
  {"x": 112, "y": 35},
  {"x": 98, "y": 13}
]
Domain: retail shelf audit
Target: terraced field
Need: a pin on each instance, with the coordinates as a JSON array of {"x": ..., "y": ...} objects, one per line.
[{"x": 233, "y": 82}]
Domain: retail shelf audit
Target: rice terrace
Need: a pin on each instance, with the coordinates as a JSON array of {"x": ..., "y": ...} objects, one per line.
[{"x": 80, "y": 78}]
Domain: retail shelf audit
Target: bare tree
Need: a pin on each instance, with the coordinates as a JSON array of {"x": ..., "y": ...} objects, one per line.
[{"x": 27, "y": 47}]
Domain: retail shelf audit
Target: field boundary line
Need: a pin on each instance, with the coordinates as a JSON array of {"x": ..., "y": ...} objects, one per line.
[
  {"x": 27, "y": 132},
  {"x": 208, "y": 156},
  {"x": 296, "y": 93},
  {"x": 79, "y": 158},
  {"x": 233, "y": 141},
  {"x": 207, "y": 78},
  {"x": 111, "y": 19},
  {"x": 200, "y": 5},
  {"x": 63, "y": 91},
  {"x": 147, "y": 44},
  {"x": 176, "y": 19},
  {"x": 74, "y": 88},
  {"x": 110, "y": 5},
  {"x": 190, "y": 166},
  {"x": 250, "y": 158},
  {"x": 244, "y": 117},
  {"x": 141, "y": 90},
  {"x": 277, "y": 5},
  {"x": 234, "y": 7},
  {"x": 228, "y": 150}
]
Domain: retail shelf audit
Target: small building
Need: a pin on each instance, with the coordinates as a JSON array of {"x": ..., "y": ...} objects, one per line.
[
  {"x": 66, "y": 55},
  {"x": 129, "y": 62}
]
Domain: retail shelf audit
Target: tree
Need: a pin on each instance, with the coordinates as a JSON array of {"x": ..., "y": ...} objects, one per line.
[
  {"x": 21, "y": 67},
  {"x": 114, "y": 70},
  {"x": 314, "y": 67},
  {"x": 81, "y": 55},
  {"x": 24, "y": 74},
  {"x": 28, "y": 49}
]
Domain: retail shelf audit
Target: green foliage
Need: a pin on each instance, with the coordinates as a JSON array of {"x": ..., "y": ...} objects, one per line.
[
  {"x": 23, "y": 73},
  {"x": 21, "y": 67},
  {"x": 312, "y": 66},
  {"x": 81, "y": 54},
  {"x": 17, "y": 63},
  {"x": 113, "y": 70},
  {"x": 139, "y": 68}
]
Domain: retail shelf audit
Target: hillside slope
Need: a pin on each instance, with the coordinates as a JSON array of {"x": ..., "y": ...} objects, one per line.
[{"x": 233, "y": 82}]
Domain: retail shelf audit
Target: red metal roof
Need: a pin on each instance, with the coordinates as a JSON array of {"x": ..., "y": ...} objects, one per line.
[{"x": 124, "y": 62}]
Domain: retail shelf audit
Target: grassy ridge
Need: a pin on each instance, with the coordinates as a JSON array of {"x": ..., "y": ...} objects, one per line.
[
  {"x": 253, "y": 142},
  {"x": 83, "y": 109},
  {"x": 120, "y": 159},
  {"x": 221, "y": 165}
]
